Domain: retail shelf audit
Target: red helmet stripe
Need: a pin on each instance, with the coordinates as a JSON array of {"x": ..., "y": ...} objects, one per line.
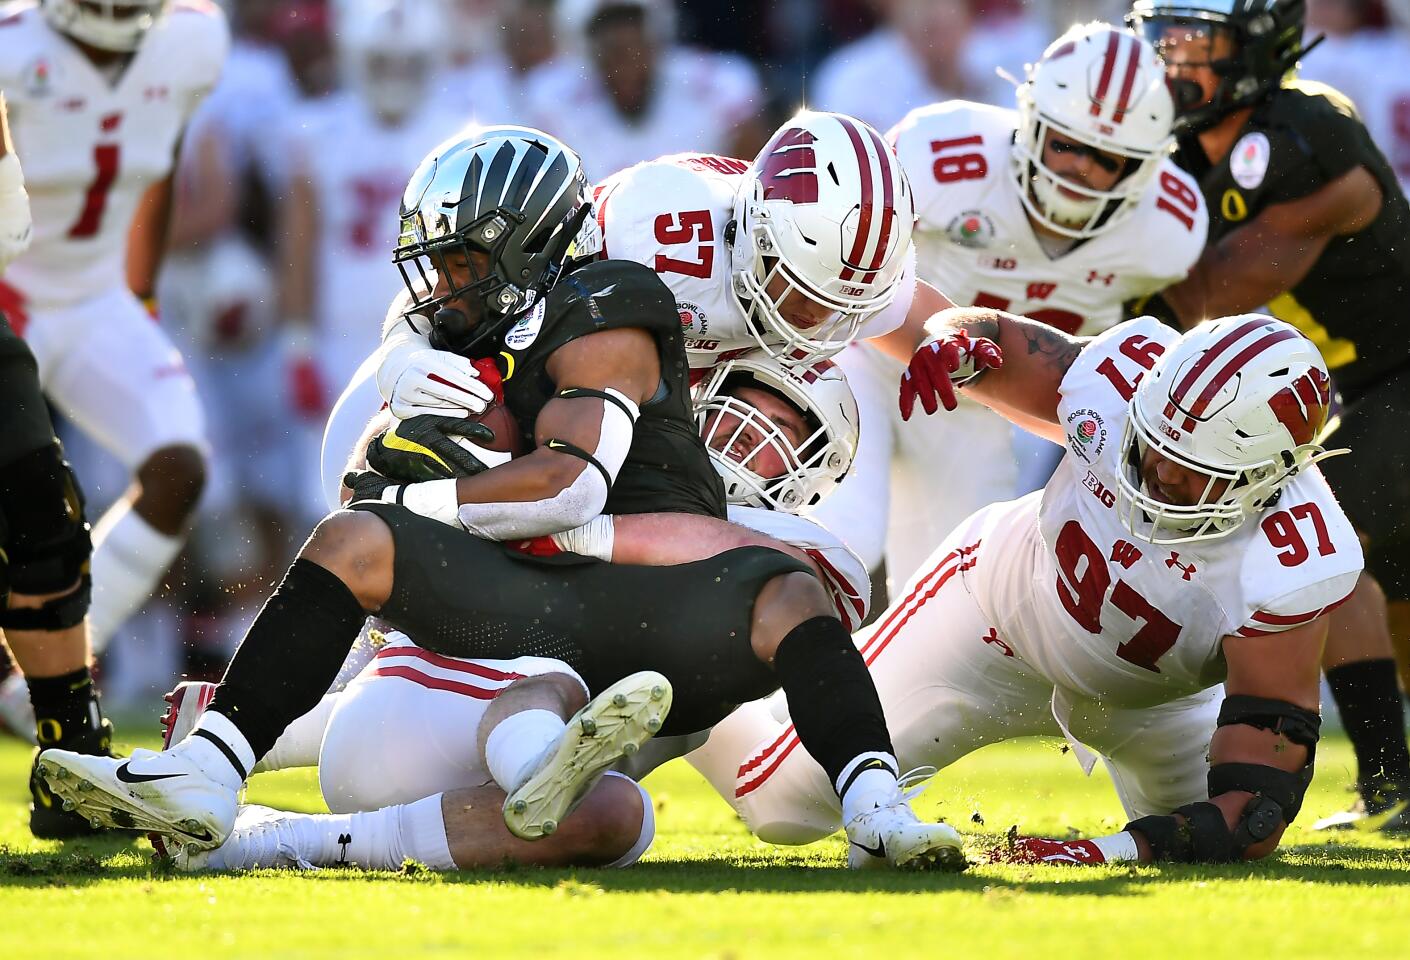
[
  {"x": 1216, "y": 383},
  {"x": 1113, "y": 40},
  {"x": 859, "y": 243},
  {"x": 888, "y": 206},
  {"x": 1123, "y": 103},
  {"x": 1211, "y": 355}
]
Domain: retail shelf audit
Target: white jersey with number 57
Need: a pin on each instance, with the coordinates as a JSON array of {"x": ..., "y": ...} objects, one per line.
[
  {"x": 1113, "y": 617},
  {"x": 91, "y": 145},
  {"x": 975, "y": 243},
  {"x": 671, "y": 215}
]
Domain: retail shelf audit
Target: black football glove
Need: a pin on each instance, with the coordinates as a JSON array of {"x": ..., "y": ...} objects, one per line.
[
  {"x": 420, "y": 448},
  {"x": 366, "y": 485}
]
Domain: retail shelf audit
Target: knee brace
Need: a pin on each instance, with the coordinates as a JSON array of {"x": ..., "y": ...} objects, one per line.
[{"x": 47, "y": 544}]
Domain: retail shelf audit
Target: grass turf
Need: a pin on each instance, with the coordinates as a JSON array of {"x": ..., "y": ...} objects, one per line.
[{"x": 707, "y": 889}]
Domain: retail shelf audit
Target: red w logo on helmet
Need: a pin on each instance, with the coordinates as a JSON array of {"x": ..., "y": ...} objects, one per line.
[
  {"x": 790, "y": 170},
  {"x": 1302, "y": 405}
]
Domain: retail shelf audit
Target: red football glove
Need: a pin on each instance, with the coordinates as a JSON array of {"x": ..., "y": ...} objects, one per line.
[
  {"x": 1042, "y": 850},
  {"x": 941, "y": 365},
  {"x": 535, "y": 547}
]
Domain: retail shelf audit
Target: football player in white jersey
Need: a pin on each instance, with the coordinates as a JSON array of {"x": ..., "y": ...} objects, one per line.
[
  {"x": 627, "y": 92},
  {"x": 99, "y": 96},
  {"x": 1184, "y": 540},
  {"x": 336, "y": 270},
  {"x": 1061, "y": 210},
  {"x": 398, "y": 732}
]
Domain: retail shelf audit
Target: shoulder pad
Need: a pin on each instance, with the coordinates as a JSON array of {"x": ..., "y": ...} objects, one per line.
[
  {"x": 976, "y": 138},
  {"x": 1167, "y": 233},
  {"x": 612, "y": 294}
]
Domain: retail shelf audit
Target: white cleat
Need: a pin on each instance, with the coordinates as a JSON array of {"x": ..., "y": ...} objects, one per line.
[
  {"x": 165, "y": 793},
  {"x": 614, "y": 724},
  {"x": 893, "y": 835},
  {"x": 256, "y": 843},
  {"x": 185, "y": 704}
]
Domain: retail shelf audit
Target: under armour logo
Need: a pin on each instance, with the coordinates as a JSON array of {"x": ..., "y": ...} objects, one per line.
[
  {"x": 1173, "y": 561},
  {"x": 1105, "y": 278},
  {"x": 993, "y": 637},
  {"x": 344, "y": 840}
]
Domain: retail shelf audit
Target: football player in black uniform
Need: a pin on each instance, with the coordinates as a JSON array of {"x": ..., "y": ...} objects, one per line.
[
  {"x": 44, "y": 548},
  {"x": 1306, "y": 217},
  {"x": 594, "y": 369}
]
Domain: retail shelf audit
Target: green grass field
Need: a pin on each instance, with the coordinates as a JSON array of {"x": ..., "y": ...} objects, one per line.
[{"x": 707, "y": 889}]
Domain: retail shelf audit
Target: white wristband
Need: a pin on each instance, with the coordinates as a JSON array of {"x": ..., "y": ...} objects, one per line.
[
  {"x": 593, "y": 539},
  {"x": 434, "y": 498}
]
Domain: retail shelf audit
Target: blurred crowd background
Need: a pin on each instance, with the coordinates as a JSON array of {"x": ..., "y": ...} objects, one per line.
[{"x": 279, "y": 270}]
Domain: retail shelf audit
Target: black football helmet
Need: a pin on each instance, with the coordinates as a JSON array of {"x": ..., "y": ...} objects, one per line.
[
  {"x": 1267, "y": 40},
  {"x": 516, "y": 195}
]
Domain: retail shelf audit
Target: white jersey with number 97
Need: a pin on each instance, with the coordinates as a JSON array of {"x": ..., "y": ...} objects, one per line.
[
  {"x": 91, "y": 145},
  {"x": 1110, "y": 616},
  {"x": 975, "y": 243}
]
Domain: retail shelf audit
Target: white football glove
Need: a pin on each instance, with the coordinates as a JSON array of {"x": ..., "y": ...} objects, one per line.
[{"x": 440, "y": 383}]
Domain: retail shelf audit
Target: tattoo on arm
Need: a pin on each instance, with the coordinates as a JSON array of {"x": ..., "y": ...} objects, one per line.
[{"x": 1053, "y": 347}]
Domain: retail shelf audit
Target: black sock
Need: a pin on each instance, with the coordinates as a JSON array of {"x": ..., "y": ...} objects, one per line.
[
  {"x": 291, "y": 654},
  {"x": 831, "y": 696},
  {"x": 1368, "y": 697},
  {"x": 67, "y": 713}
]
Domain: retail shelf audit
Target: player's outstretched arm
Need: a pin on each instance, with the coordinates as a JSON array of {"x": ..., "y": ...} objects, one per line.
[
  {"x": 1260, "y": 766},
  {"x": 1274, "y": 251},
  {"x": 1009, "y": 363},
  {"x": 1260, "y": 758}
]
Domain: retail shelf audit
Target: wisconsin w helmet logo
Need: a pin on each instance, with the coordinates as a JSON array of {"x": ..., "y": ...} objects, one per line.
[
  {"x": 1302, "y": 405},
  {"x": 790, "y": 171}
]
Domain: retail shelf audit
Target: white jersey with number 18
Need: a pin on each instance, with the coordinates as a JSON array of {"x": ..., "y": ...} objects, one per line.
[{"x": 975, "y": 243}]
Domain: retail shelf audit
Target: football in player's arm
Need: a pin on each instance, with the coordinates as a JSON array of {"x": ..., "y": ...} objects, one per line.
[{"x": 1262, "y": 751}]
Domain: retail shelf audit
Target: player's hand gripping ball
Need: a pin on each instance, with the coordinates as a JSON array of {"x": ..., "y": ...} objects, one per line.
[
  {"x": 425, "y": 447},
  {"x": 943, "y": 364}
]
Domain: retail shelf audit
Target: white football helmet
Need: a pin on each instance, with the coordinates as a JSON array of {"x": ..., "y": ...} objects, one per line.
[
  {"x": 117, "y": 25},
  {"x": 389, "y": 51},
  {"x": 825, "y": 210},
  {"x": 735, "y": 431},
  {"x": 1105, "y": 88},
  {"x": 1243, "y": 400}
]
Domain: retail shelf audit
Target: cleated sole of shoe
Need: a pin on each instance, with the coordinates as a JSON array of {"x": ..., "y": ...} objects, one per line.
[
  {"x": 937, "y": 850},
  {"x": 114, "y": 808},
  {"x": 612, "y": 725}
]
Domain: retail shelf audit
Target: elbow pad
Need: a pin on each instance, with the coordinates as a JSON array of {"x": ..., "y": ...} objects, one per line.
[
  {"x": 581, "y": 500},
  {"x": 16, "y": 224}
]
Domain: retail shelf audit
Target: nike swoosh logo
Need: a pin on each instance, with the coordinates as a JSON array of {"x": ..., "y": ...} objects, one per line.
[
  {"x": 877, "y": 851},
  {"x": 127, "y": 777}
]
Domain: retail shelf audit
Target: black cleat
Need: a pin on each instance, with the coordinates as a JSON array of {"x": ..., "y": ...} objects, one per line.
[{"x": 48, "y": 820}]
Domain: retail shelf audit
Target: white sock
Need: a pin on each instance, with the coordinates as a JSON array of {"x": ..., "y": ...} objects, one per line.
[
  {"x": 300, "y": 742},
  {"x": 376, "y": 840},
  {"x": 1118, "y": 847},
  {"x": 129, "y": 557},
  {"x": 210, "y": 757},
  {"x": 515, "y": 746},
  {"x": 872, "y": 787}
]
